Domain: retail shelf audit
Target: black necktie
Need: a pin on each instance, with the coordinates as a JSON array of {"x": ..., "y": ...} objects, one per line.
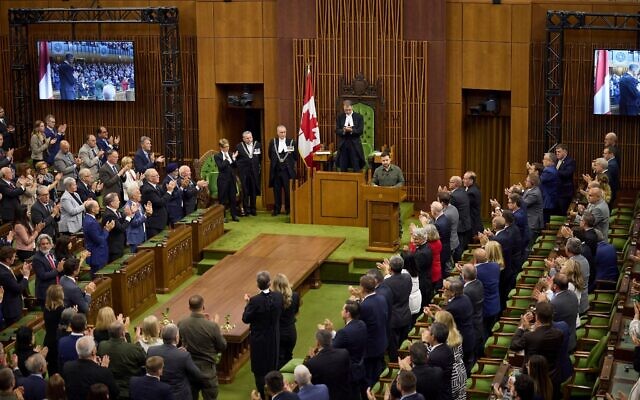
[
  {"x": 93, "y": 151},
  {"x": 115, "y": 171}
]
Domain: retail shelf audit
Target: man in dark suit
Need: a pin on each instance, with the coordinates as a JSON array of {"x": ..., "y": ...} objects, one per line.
[
  {"x": 330, "y": 366},
  {"x": 149, "y": 386},
  {"x": 629, "y": 94},
  {"x": 589, "y": 236},
  {"x": 460, "y": 200},
  {"x": 443, "y": 225},
  {"x": 544, "y": 340},
  {"x": 87, "y": 187},
  {"x": 95, "y": 237},
  {"x": 469, "y": 180},
  {"x": 533, "y": 203},
  {"x": 106, "y": 143},
  {"x": 10, "y": 195},
  {"x": 152, "y": 192},
  {"x": 282, "y": 157},
  {"x": 68, "y": 77},
  {"x": 144, "y": 159},
  {"x": 440, "y": 355},
  {"x": 474, "y": 289},
  {"x": 80, "y": 374},
  {"x": 6, "y": 157},
  {"x": 565, "y": 305},
  {"x": 400, "y": 319},
  {"x": 461, "y": 308},
  {"x": 47, "y": 269},
  {"x": 175, "y": 208},
  {"x": 34, "y": 385},
  {"x": 306, "y": 389},
  {"x": 227, "y": 188},
  {"x": 73, "y": 295},
  {"x": 406, "y": 384},
  {"x": 515, "y": 205},
  {"x": 51, "y": 133},
  {"x": 6, "y": 130},
  {"x": 112, "y": 176},
  {"x": 613, "y": 172},
  {"x": 424, "y": 259},
  {"x": 566, "y": 167},
  {"x": 67, "y": 344},
  {"x": 349, "y": 128},
  {"x": 500, "y": 235},
  {"x": 248, "y": 162},
  {"x": 13, "y": 284},
  {"x": 118, "y": 234},
  {"x": 262, "y": 313},
  {"x": 373, "y": 312},
  {"x": 489, "y": 274},
  {"x": 46, "y": 211},
  {"x": 190, "y": 189},
  {"x": 353, "y": 338},
  {"x": 179, "y": 369},
  {"x": 275, "y": 388},
  {"x": 429, "y": 379}
]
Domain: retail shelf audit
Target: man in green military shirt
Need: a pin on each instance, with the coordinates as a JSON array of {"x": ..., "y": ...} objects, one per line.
[{"x": 387, "y": 174}]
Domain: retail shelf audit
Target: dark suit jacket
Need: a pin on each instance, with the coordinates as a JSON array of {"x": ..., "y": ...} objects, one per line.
[
  {"x": 613, "y": 173},
  {"x": 331, "y": 367},
  {"x": 565, "y": 173},
  {"x": 175, "y": 208},
  {"x": 249, "y": 167},
  {"x": 226, "y": 178},
  {"x": 189, "y": 197},
  {"x": 10, "y": 200},
  {"x": 475, "y": 201},
  {"x": 141, "y": 163},
  {"x": 262, "y": 312},
  {"x": 461, "y": 309},
  {"x": 74, "y": 296},
  {"x": 460, "y": 200},
  {"x": 149, "y": 388},
  {"x": 35, "y": 387},
  {"x": 400, "y": 285},
  {"x": 179, "y": 369},
  {"x": 111, "y": 181},
  {"x": 289, "y": 163},
  {"x": 350, "y": 140},
  {"x": 506, "y": 242},
  {"x": 544, "y": 340},
  {"x": 523, "y": 226},
  {"x": 533, "y": 200},
  {"x": 79, "y": 375},
  {"x": 85, "y": 192},
  {"x": 443, "y": 225},
  {"x": 117, "y": 235},
  {"x": 424, "y": 260},
  {"x": 629, "y": 95},
  {"x": 373, "y": 312},
  {"x": 13, "y": 287},
  {"x": 565, "y": 308},
  {"x": 442, "y": 356},
  {"x": 475, "y": 291},
  {"x": 158, "y": 198},
  {"x": 549, "y": 184},
  {"x": 39, "y": 214},
  {"x": 353, "y": 338},
  {"x": 429, "y": 382},
  {"x": 96, "y": 241},
  {"x": 45, "y": 275},
  {"x": 489, "y": 274},
  {"x": 67, "y": 350}
]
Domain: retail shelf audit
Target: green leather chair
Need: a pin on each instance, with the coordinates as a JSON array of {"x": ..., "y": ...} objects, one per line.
[
  {"x": 209, "y": 172},
  {"x": 368, "y": 133}
]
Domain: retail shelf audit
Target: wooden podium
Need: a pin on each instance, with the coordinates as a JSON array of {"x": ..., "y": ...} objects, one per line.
[{"x": 383, "y": 217}]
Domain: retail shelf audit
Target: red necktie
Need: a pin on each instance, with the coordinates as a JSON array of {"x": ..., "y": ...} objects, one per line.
[{"x": 53, "y": 265}]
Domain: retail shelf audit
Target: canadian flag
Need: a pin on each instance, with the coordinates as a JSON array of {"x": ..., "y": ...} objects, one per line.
[
  {"x": 44, "y": 85},
  {"x": 602, "y": 99},
  {"x": 309, "y": 134}
]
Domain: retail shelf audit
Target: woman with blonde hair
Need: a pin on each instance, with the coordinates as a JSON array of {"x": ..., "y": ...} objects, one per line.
[
  {"x": 494, "y": 253},
  {"x": 434, "y": 243},
  {"x": 577, "y": 285},
  {"x": 454, "y": 341},
  {"x": 46, "y": 178},
  {"x": 52, "y": 313},
  {"x": 225, "y": 162},
  {"x": 25, "y": 178},
  {"x": 290, "y": 305},
  {"x": 132, "y": 179},
  {"x": 149, "y": 334},
  {"x": 39, "y": 142},
  {"x": 106, "y": 316}
]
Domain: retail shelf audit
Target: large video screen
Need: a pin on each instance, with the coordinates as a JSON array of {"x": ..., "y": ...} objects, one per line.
[
  {"x": 82, "y": 70},
  {"x": 616, "y": 82}
]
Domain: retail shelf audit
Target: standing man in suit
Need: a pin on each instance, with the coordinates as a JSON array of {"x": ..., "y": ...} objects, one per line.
[
  {"x": 71, "y": 208},
  {"x": 6, "y": 157},
  {"x": 500, "y": 235},
  {"x": 424, "y": 260},
  {"x": 34, "y": 385},
  {"x": 67, "y": 344},
  {"x": 330, "y": 366},
  {"x": 13, "y": 285},
  {"x": 566, "y": 167},
  {"x": 51, "y": 133},
  {"x": 112, "y": 176},
  {"x": 144, "y": 159},
  {"x": 262, "y": 313},
  {"x": 179, "y": 369},
  {"x": 68, "y": 78},
  {"x": 45, "y": 211},
  {"x": 226, "y": 179},
  {"x": 373, "y": 312},
  {"x": 150, "y": 386},
  {"x": 7, "y": 130},
  {"x": 87, "y": 370},
  {"x": 73, "y": 295},
  {"x": 202, "y": 338},
  {"x": 307, "y": 390},
  {"x": 611, "y": 141},
  {"x": 532, "y": 199},
  {"x": 118, "y": 234},
  {"x": 440, "y": 355},
  {"x": 88, "y": 188},
  {"x": 106, "y": 143},
  {"x": 443, "y": 225},
  {"x": 175, "y": 208},
  {"x": 489, "y": 274},
  {"x": 282, "y": 158},
  {"x": 469, "y": 180},
  {"x": 66, "y": 164},
  {"x": 90, "y": 155},
  {"x": 190, "y": 189},
  {"x": 95, "y": 237},
  {"x": 10, "y": 195},
  {"x": 249, "y": 165},
  {"x": 152, "y": 193},
  {"x": 474, "y": 290},
  {"x": 429, "y": 379},
  {"x": 48, "y": 270},
  {"x": 612, "y": 171},
  {"x": 600, "y": 211},
  {"x": 400, "y": 318},
  {"x": 274, "y": 382},
  {"x": 349, "y": 128},
  {"x": 629, "y": 94},
  {"x": 460, "y": 200},
  {"x": 565, "y": 305}
]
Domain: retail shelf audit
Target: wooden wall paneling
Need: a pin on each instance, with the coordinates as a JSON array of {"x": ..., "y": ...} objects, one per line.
[
  {"x": 521, "y": 23},
  {"x": 475, "y": 19},
  {"x": 232, "y": 64},
  {"x": 518, "y": 153},
  {"x": 206, "y": 67},
  {"x": 486, "y": 65},
  {"x": 520, "y": 74},
  {"x": 453, "y": 144},
  {"x": 237, "y": 19},
  {"x": 454, "y": 66},
  {"x": 204, "y": 19}
]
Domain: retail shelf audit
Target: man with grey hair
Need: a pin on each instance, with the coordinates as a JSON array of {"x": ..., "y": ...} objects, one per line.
[
  {"x": 307, "y": 390},
  {"x": 443, "y": 225},
  {"x": 90, "y": 155},
  {"x": 46, "y": 211},
  {"x": 190, "y": 189},
  {"x": 262, "y": 313},
  {"x": 152, "y": 192},
  {"x": 248, "y": 162},
  {"x": 117, "y": 235},
  {"x": 48, "y": 270},
  {"x": 613, "y": 171},
  {"x": 144, "y": 159},
  {"x": 125, "y": 359},
  {"x": 95, "y": 237},
  {"x": 179, "y": 369},
  {"x": 460, "y": 200},
  {"x": 474, "y": 289},
  {"x": 629, "y": 94},
  {"x": 399, "y": 285},
  {"x": 600, "y": 210},
  {"x": 88, "y": 187},
  {"x": 66, "y": 163},
  {"x": 10, "y": 194},
  {"x": 330, "y": 366},
  {"x": 87, "y": 370},
  {"x": 423, "y": 258},
  {"x": 34, "y": 385},
  {"x": 71, "y": 208}
]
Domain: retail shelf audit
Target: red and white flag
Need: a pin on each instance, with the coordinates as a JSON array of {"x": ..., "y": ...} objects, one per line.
[
  {"x": 45, "y": 87},
  {"x": 602, "y": 99},
  {"x": 309, "y": 134}
]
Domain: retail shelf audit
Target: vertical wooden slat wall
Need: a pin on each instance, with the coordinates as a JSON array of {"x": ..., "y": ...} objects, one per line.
[
  {"x": 365, "y": 36},
  {"x": 128, "y": 120},
  {"x": 581, "y": 129}
]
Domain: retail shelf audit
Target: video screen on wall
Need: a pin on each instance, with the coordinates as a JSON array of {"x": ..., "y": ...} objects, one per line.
[
  {"x": 83, "y": 70},
  {"x": 616, "y": 82}
]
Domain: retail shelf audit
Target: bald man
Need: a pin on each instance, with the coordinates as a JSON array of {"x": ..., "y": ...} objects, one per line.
[
  {"x": 600, "y": 210},
  {"x": 96, "y": 238},
  {"x": 10, "y": 195},
  {"x": 460, "y": 199},
  {"x": 66, "y": 163}
]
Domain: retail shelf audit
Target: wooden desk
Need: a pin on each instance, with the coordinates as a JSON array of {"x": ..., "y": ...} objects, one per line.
[
  {"x": 617, "y": 375},
  {"x": 102, "y": 297},
  {"x": 133, "y": 283},
  {"x": 383, "y": 217},
  {"x": 338, "y": 199},
  {"x": 173, "y": 252},
  {"x": 207, "y": 225},
  {"x": 324, "y": 159}
]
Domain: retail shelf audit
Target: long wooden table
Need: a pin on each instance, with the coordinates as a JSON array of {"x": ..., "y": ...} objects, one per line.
[{"x": 223, "y": 286}]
